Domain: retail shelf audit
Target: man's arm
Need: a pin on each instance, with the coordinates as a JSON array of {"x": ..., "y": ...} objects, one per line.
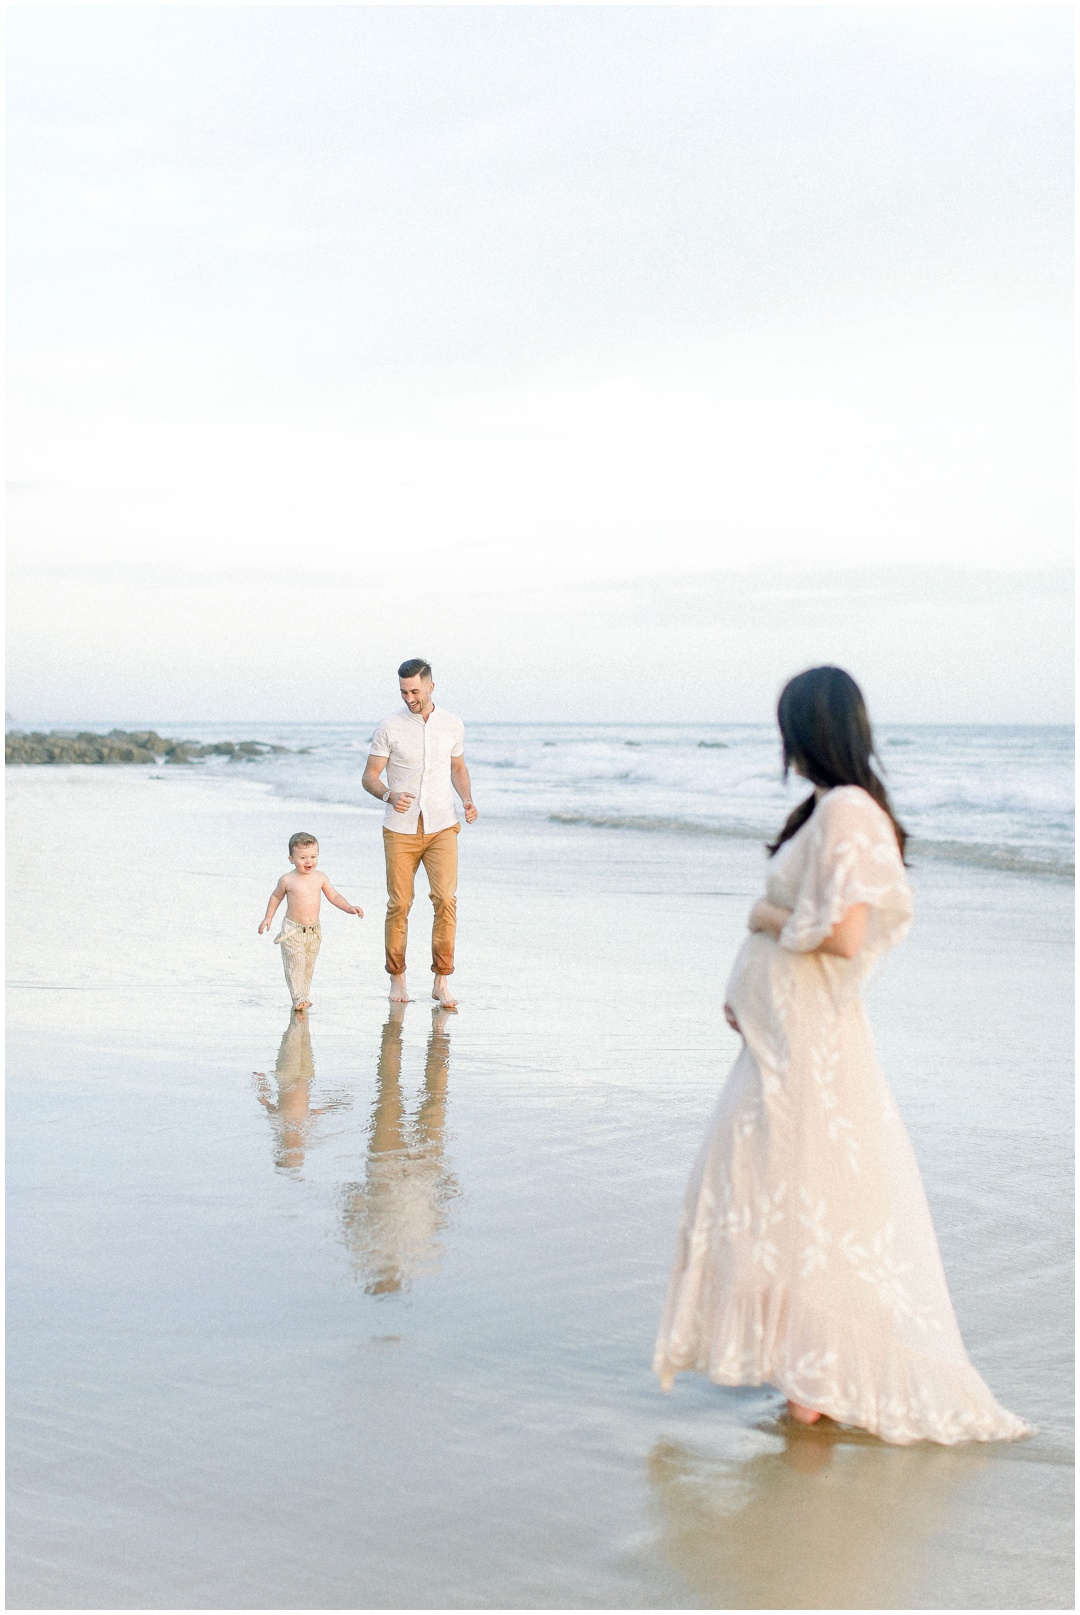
[
  {"x": 459, "y": 775},
  {"x": 374, "y": 784}
]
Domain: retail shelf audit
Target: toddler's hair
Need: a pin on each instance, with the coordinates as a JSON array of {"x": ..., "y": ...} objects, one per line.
[{"x": 302, "y": 839}]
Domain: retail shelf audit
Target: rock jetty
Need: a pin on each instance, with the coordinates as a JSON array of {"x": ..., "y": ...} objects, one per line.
[{"x": 124, "y": 746}]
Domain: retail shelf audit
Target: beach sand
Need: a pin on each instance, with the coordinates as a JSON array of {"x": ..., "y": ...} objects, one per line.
[{"x": 374, "y": 1330}]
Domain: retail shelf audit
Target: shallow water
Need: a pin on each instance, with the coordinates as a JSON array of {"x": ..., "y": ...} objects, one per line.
[{"x": 372, "y": 1329}]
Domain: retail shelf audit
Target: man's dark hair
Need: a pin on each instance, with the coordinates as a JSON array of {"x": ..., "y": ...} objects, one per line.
[{"x": 414, "y": 668}]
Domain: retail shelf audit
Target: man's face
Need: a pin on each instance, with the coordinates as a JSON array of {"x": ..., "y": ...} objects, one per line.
[
  {"x": 416, "y": 692},
  {"x": 305, "y": 857}
]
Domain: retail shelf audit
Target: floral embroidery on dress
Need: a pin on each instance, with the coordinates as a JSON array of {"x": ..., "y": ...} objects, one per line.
[
  {"x": 879, "y": 1267},
  {"x": 813, "y": 1217},
  {"x": 768, "y": 1214}
]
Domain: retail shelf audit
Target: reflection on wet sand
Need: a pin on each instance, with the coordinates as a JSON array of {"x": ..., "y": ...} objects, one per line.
[
  {"x": 393, "y": 1219},
  {"x": 290, "y": 1109},
  {"x": 831, "y": 1520}
]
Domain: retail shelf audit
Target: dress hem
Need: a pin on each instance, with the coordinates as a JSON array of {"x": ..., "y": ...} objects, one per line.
[{"x": 1007, "y": 1427}]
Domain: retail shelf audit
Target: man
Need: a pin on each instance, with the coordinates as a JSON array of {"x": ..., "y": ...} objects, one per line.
[{"x": 421, "y": 748}]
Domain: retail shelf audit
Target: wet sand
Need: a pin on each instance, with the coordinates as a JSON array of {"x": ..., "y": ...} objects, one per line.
[{"x": 373, "y": 1329}]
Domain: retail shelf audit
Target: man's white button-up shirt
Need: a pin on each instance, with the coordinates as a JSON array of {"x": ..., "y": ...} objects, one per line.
[{"x": 419, "y": 754}]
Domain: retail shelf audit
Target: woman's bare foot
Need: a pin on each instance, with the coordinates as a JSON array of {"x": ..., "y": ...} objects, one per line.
[
  {"x": 802, "y": 1415},
  {"x": 398, "y": 995},
  {"x": 442, "y": 994}
]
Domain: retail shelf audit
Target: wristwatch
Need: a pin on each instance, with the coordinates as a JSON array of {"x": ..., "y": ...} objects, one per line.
[{"x": 386, "y": 796}]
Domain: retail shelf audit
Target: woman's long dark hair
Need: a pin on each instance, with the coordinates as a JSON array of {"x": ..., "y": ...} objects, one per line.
[{"x": 826, "y": 731}]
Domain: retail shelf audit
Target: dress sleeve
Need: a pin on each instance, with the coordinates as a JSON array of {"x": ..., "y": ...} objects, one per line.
[
  {"x": 380, "y": 742},
  {"x": 852, "y": 858}
]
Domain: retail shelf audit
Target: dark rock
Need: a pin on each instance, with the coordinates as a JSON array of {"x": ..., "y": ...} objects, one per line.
[{"x": 123, "y": 746}]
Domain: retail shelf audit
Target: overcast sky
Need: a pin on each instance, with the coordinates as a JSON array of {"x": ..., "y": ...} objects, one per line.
[{"x": 566, "y": 345}]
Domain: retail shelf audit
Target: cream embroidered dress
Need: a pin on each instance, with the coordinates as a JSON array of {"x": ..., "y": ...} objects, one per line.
[{"x": 806, "y": 1256}]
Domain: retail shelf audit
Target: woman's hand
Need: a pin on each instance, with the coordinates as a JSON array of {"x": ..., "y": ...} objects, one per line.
[
  {"x": 767, "y": 917},
  {"x": 755, "y": 920},
  {"x": 729, "y": 1016}
]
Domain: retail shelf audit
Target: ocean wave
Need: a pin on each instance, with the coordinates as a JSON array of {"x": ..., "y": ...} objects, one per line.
[
  {"x": 679, "y": 827},
  {"x": 1013, "y": 860}
]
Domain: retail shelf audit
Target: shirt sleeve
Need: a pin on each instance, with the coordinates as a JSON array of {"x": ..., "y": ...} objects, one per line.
[
  {"x": 380, "y": 742},
  {"x": 458, "y": 748},
  {"x": 853, "y": 858}
]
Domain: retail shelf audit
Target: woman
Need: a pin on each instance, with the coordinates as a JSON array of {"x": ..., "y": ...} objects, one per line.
[{"x": 806, "y": 1256}]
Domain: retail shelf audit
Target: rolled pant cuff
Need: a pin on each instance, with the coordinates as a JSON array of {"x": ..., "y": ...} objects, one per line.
[{"x": 436, "y": 970}]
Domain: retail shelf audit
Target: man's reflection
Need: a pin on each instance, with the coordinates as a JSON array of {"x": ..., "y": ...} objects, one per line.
[
  {"x": 393, "y": 1219},
  {"x": 289, "y": 1109},
  {"x": 832, "y": 1520}
]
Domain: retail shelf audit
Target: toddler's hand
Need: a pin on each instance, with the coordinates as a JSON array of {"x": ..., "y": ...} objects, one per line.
[
  {"x": 359, "y": 913},
  {"x": 265, "y": 926}
]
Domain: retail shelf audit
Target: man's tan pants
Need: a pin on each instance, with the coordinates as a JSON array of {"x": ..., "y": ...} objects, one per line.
[{"x": 404, "y": 855}]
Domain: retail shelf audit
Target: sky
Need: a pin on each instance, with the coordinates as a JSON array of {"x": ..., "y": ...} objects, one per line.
[{"x": 620, "y": 359}]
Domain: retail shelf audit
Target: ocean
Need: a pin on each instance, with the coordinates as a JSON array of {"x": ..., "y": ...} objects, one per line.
[{"x": 996, "y": 796}]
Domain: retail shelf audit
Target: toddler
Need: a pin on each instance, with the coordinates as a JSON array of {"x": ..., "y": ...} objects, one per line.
[{"x": 301, "y": 936}]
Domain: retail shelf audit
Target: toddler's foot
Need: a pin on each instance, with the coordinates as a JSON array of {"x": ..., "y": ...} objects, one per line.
[
  {"x": 398, "y": 995},
  {"x": 802, "y": 1415},
  {"x": 442, "y": 994},
  {"x": 305, "y": 1003}
]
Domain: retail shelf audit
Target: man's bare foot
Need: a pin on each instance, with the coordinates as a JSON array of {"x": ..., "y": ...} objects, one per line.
[
  {"x": 802, "y": 1415},
  {"x": 398, "y": 995},
  {"x": 442, "y": 994}
]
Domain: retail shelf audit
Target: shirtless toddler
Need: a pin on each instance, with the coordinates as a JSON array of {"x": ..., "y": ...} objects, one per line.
[{"x": 301, "y": 936}]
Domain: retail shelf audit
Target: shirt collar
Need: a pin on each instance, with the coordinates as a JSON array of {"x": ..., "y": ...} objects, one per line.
[{"x": 407, "y": 714}]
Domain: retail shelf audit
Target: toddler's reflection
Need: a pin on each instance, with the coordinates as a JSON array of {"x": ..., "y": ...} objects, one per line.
[
  {"x": 393, "y": 1219},
  {"x": 828, "y": 1522},
  {"x": 289, "y": 1109}
]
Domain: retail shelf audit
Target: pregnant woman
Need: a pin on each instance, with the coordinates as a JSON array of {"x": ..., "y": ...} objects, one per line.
[{"x": 806, "y": 1256}]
